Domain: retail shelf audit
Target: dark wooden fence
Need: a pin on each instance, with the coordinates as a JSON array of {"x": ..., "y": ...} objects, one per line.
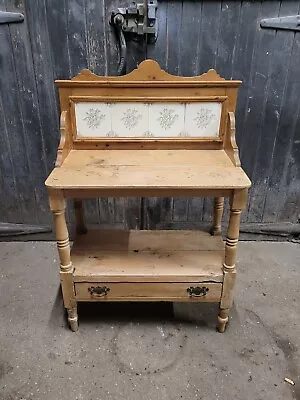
[{"x": 60, "y": 37}]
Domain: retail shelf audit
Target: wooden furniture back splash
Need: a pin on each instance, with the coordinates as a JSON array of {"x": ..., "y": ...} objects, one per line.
[
  {"x": 147, "y": 133},
  {"x": 147, "y": 120}
]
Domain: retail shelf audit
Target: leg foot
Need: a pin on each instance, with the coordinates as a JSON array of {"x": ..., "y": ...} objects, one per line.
[
  {"x": 223, "y": 320},
  {"x": 73, "y": 318}
]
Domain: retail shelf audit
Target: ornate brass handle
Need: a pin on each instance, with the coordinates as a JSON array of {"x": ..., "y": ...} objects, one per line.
[
  {"x": 99, "y": 291},
  {"x": 197, "y": 291}
]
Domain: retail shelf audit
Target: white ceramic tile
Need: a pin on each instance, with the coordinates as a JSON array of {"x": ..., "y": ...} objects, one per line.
[
  {"x": 93, "y": 119},
  {"x": 136, "y": 119},
  {"x": 130, "y": 119},
  {"x": 203, "y": 119},
  {"x": 166, "y": 119}
]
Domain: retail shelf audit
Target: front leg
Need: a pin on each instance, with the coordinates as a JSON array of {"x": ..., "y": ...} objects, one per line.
[
  {"x": 238, "y": 202},
  {"x": 58, "y": 206}
]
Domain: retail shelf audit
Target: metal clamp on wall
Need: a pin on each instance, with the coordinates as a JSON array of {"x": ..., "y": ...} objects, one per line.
[{"x": 137, "y": 20}]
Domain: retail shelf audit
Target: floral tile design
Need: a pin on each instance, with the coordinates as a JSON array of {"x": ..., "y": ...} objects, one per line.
[
  {"x": 148, "y": 134},
  {"x": 93, "y": 118},
  {"x": 184, "y": 134},
  {"x": 131, "y": 117},
  {"x": 204, "y": 117},
  {"x": 111, "y": 134},
  {"x": 157, "y": 120},
  {"x": 167, "y": 118}
]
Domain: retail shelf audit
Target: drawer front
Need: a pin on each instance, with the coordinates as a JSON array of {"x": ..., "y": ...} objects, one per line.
[{"x": 107, "y": 291}]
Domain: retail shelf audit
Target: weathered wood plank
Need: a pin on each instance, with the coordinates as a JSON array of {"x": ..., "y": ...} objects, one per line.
[
  {"x": 43, "y": 69},
  {"x": 277, "y": 80},
  {"x": 287, "y": 119},
  {"x": 247, "y": 39},
  {"x": 209, "y": 35},
  {"x": 97, "y": 30},
  {"x": 9, "y": 200},
  {"x": 16, "y": 142},
  {"x": 254, "y": 116},
  {"x": 287, "y": 154},
  {"x": 59, "y": 41}
]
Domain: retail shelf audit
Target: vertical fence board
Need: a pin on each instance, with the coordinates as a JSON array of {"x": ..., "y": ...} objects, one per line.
[{"x": 276, "y": 85}]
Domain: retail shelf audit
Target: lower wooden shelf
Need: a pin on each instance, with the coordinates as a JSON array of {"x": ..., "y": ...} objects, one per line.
[{"x": 113, "y": 265}]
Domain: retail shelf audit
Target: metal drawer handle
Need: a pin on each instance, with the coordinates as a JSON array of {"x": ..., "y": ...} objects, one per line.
[
  {"x": 99, "y": 291},
  {"x": 197, "y": 291}
]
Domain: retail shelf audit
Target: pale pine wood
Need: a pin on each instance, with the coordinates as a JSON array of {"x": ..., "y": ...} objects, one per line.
[
  {"x": 218, "y": 213},
  {"x": 230, "y": 142},
  {"x": 229, "y": 266},
  {"x": 73, "y": 318},
  {"x": 147, "y": 82},
  {"x": 143, "y": 265},
  {"x": 148, "y": 292},
  {"x": 147, "y": 240},
  {"x": 152, "y": 256},
  {"x": 144, "y": 192},
  {"x": 149, "y": 72},
  {"x": 58, "y": 206},
  {"x": 229, "y": 280},
  {"x": 64, "y": 146},
  {"x": 145, "y": 144},
  {"x": 223, "y": 318},
  {"x": 183, "y": 170}
]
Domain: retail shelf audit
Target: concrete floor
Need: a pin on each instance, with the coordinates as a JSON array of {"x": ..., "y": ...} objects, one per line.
[{"x": 150, "y": 351}]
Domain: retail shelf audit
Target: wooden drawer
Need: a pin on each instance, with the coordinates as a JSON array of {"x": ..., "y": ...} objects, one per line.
[{"x": 107, "y": 291}]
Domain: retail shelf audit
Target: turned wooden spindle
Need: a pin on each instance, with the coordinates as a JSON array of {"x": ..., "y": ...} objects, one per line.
[
  {"x": 218, "y": 213},
  {"x": 223, "y": 319},
  {"x": 58, "y": 205},
  {"x": 62, "y": 238},
  {"x": 79, "y": 216},
  {"x": 73, "y": 318},
  {"x": 232, "y": 239},
  {"x": 229, "y": 269}
]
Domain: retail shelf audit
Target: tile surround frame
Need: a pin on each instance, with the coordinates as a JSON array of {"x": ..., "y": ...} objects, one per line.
[{"x": 158, "y": 99}]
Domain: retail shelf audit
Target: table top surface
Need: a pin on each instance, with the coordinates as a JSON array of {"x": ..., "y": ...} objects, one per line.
[{"x": 147, "y": 169}]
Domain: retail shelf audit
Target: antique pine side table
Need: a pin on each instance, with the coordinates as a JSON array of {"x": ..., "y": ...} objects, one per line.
[{"x": 147, "y": 134}]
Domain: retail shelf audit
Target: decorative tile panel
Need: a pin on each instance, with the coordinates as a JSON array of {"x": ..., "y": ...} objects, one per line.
[
  {"x": 203, "y": 119},
  {"x": 166, "y": 119},
  {"x": 148, "y": 120},
  {"x": 93, "y": 119},
  {"x": 130, "y": 119}
]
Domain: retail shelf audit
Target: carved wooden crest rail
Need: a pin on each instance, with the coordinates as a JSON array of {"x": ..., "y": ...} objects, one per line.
[{"x": 147, "y": 133}]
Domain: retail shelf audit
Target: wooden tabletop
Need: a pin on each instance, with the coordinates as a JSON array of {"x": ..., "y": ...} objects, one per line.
[{"x": 147, "y": 169}]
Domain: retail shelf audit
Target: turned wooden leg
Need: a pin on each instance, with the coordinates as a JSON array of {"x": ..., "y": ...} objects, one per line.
[
  {"x": 218, "y": 213},
  {"x": 238, "y": 202},
  {"x": 223, "y": 319},
  {"x": 80, "y": 224},
  {"x": 73, "y": 318},
  {"x": 58, "y": 205}
]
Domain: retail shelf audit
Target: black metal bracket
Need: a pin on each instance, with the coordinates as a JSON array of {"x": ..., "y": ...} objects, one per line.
[
  {"x": 136, "y": 21},
  {"x": 291, "y": 23},
  {"x": 9, "y": 17}
]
